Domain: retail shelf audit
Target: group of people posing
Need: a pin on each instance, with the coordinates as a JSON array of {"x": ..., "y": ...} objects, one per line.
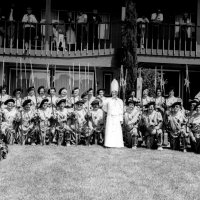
[{"x": 47, "y": 118}]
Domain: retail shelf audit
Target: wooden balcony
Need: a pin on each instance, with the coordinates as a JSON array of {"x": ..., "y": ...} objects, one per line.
[{"x": 67, "y": 43}]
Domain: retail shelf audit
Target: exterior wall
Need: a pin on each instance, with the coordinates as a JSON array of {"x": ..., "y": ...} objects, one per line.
[
  {"x": 41, "y": 71},
  {"x": 198, "y": 24}
]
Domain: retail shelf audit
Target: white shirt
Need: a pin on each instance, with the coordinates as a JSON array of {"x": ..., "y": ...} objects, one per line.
[
  {"x": 29, "y": 19},
  {"x": 114, "y": 107},
  {"x": 82, "y": 18},
  {"x": 11, "y": 15}
]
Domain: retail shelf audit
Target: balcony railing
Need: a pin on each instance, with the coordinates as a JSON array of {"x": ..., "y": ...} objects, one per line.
[
  {"x": 167, "y": 39},
  {"x": 86, "y": 39},
  {"x": 55, "y": 39}
]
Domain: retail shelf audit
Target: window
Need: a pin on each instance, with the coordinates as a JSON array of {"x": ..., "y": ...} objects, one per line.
[
  {"x": 107, "y": 79},
  {"x": 68, "y": 79}
]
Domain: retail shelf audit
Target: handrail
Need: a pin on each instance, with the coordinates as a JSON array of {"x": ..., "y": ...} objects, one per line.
[{"x": 79, "y": 39}]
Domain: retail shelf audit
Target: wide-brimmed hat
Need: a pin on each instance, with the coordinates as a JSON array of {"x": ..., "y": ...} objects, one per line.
[
  {"x": 130, "y": 101},
  {"x": 41, "y": 87},
  {"x": 61, "y": 89},
  {"x": 150, "y": 103},
  {"x": 26, "y": 102},
  {"x": 17, "y": 90},
  {"x": 196, "y": 105},
  {"x": 43, "y": 101},
  {"x": 30, "y": 88},
  {"x": 80, "y": 102},
  {"x": 195, "y": 100},
  {"x": 176, "y": 103},
  {"x": 60, "y": 101},
  {"x": 95, "y": 102},
  {"x": 9, "y": 100}
]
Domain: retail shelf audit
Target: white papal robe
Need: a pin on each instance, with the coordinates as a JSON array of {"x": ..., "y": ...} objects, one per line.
[{"x": 113, "y": 132}]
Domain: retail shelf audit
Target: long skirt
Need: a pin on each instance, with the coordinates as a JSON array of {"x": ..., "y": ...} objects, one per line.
[{"x": 113, "y": 132}]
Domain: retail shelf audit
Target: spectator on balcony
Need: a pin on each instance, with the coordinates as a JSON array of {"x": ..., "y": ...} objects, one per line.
[
  {"x": 142, "y": 28},
  {"x": 2, "y": 27},
  {"x": 11, "y": 26},
  {"x": 29, "y": 21},
  {"x": 184, "y": 22},
  {"x": 82, "y": 30},
  {"x": 59, "y": 35},
  {"x": 156, "y": 31},
  {"x": 157, "y": 17},
  {"x": 94, "y": 20},
  {"x": 70, "y": 33}
]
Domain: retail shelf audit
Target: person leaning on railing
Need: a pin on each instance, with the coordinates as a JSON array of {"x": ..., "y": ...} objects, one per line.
[
  {"x": 82, "y": 30},
  {"x": 29, "y": 21},
  {"x": 142, "y": 25},
  {"x": 156, "y": 20}
]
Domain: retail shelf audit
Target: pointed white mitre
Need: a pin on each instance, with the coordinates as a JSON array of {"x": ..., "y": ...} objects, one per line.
[{"x": 114, "y": 85}]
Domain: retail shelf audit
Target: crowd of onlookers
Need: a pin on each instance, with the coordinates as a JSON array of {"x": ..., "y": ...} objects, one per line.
[
  {"x": 78, "y": 28},
  {"x": 82, "y": 30},
  {"x": 153, "y": 28}
]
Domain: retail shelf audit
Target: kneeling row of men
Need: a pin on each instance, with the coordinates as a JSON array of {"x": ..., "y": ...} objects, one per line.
[{"x": 76, "y": 125}]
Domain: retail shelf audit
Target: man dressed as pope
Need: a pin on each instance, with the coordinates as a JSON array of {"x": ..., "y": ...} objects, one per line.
[{"x": 114, "y": 109}]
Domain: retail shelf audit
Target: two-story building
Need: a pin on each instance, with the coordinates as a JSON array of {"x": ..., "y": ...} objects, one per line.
[
  {"x": 79, "y": 54},
  {"x": 66, "y": 48}
]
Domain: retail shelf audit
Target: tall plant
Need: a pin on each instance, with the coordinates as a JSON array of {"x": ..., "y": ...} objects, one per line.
[{"x": 129, "y": 44}]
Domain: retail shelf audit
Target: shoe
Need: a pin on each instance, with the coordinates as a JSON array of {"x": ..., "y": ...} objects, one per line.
[
  {"x": 159, "y": 148},
  {"x": 33, "y": 144},
  {"x": 134, "y": 147},
  {"x": 143, "y": 144},
  {"x": 54, "y": 140},
  {"x": 184, "y": 150},
  {"x": 68, "y": 144},
  {"x": 168, "y": 146}
]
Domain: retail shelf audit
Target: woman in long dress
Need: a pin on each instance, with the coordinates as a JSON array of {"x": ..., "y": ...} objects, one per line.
[{"x": 114, "y": 109}]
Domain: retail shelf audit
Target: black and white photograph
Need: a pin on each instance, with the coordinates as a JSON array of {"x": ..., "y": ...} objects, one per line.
[{"x": 99, "y": 100}]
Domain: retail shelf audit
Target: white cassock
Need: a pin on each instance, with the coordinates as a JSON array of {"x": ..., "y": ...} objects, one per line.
[{"x": 113, "y": 132}]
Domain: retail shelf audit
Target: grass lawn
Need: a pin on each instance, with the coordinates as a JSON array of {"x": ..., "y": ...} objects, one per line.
[{"x": 95, "y": 173}]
